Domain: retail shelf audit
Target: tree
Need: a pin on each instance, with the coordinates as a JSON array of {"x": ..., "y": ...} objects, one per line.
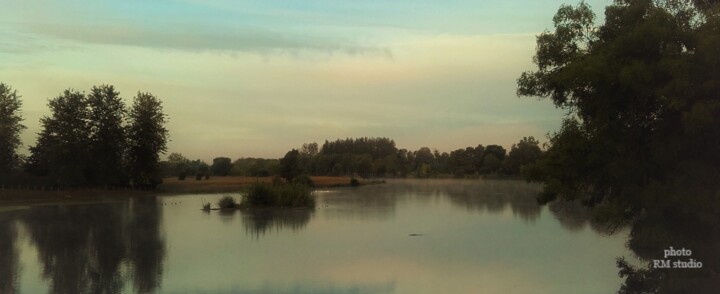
[
  {"x": 10, "y": 128},
  {"x": 107, "y": 136},
  {"x": 290, "y": 165},
  {"x": 525, "y": 152},
  {"x": 642, "y": 93},
  {"x": 221, "y": 166},
  {"x": 178, "y": 166},
  {"x": 62, "y": 150},
  {"x": 147, "y": 139}
]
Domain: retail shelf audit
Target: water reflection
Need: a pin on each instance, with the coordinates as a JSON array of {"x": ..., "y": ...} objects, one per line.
[
  {"x": 494, "y": 197},
  {"x": 8, "y": 255},
  {"x": 85, "y": 248},
  {"x": 679, "y": 229},
  {"x": 258, "y": 222}
]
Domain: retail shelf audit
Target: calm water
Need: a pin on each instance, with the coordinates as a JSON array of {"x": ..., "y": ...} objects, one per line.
[{"x": 401, "y": 237}]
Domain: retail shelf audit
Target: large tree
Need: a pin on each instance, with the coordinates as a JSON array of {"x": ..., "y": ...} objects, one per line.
[
  {"x": 147, "y": 139},
  {"x": 10, "y": 128},
  {"x": 107, "y": 136},
  {"x": 640, "y": 141},
  {"x": 642, "y": 93},
  {"x": 62, "y": 149}
]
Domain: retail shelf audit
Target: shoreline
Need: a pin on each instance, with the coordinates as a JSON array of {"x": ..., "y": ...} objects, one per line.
[{"x": 214, "y": 185}]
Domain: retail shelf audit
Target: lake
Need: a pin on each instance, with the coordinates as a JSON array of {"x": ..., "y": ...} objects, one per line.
[{"x": 405, "y": 236}]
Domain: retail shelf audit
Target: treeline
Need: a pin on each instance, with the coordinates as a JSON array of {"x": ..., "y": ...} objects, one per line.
[
  {"x": 367, "y": 158},
  {"x": 88, "y": 140},
  {"x": 379, "y": 157}
]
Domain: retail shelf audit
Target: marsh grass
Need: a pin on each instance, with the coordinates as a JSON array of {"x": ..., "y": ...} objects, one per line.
[{"x": 283, "y": 195}]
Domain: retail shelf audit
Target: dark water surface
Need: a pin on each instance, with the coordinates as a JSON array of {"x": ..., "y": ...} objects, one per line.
[{"x": 407, "y": 236}]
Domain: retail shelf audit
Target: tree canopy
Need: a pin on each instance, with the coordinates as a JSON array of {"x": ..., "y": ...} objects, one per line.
[
  {"x": 639, "y": 141},
  {"x": 10, "y": 128},
  {"x": 641, "y": 93}
]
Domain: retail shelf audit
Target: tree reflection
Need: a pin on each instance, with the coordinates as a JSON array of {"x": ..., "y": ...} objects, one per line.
[
  {"x": 678, "y": 228},
  {"x": 494, "y": 197},
  {"x": 8, "y": 255},
  {"x": 83, "y": 248},
  {"x": 259, "y": 221}
]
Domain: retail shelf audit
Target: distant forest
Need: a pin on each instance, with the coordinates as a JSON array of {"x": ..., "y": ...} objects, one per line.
[{"x": 367, "y": 158}]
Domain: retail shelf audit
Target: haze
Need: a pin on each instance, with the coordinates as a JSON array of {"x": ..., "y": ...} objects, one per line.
[{"x": 242, "y": 79}]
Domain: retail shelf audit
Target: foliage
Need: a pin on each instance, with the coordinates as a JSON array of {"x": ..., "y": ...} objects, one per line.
[
  {"x": 303, "y": 180},
  {"x": 284, "y": 195},
  {"x": 640, "y": 139},
  {"x": 85, "y": 141},
  {"x": 147, "y": 139},
  {"x": 641, "y": 92},
  {"x": 61, "y": 153},
  {"x": 255, "y": 167},
  {"x": 10, "y": 128},
  {"x": 226, "y": 202},
  {"x": 525, "y": 152},
  {"x": 107, "y": 136},
  {"x": 354, "y": 182},
  {"x": 221, "y": 166},
  {"x": 290, "y": 165}
]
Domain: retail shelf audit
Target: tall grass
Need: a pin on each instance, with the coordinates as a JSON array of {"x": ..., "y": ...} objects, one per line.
[{"x": 283, "y": 195}]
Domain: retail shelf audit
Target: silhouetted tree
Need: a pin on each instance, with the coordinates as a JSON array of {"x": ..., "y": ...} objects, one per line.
[
  {"x": 525, "y": 152},
  {"x": 290, "y": 165},
  {"x": 147, "y": 139},
  {"x": 107, "y": 136},
  {"x": 62, "y": 149},
  {"x": 10, "y": 128},
  {"x": 221, "y": 166}
]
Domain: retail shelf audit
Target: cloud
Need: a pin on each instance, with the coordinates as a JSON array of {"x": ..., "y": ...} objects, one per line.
[{"x": 192, "y": 38}]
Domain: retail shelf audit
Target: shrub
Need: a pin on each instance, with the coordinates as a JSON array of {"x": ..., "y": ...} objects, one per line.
[
  {"x": 227, "y": 202},
  {"x": 283, "y": 195},
  {"x": 354, "y": 182},
  {"x": 303, "y": 180},
  {"x": 206, "y": 206}
]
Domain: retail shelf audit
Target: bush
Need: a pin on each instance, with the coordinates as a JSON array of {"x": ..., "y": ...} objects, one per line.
[
  {"x": 283, "y": 195},
  {"x": 227, "y": 202},
  {"x": 303, "y": 180},
  {"x": 354, "y": 182}
]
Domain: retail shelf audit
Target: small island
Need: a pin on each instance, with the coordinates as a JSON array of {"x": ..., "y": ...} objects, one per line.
[{"x": 267, "y": 195}]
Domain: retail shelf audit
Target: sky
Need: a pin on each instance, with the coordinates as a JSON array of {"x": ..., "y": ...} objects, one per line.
[{"x": 257, "y": 78}]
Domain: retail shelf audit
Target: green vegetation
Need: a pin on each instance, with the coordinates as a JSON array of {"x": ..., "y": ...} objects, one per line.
[
  {"x": 255, "y": 167},
  {"x": 87, "y": 141},
  {"x": 303, "y": 180},
  {"x": 354, "y": 182},
  {"x": 378, "y": 157},
  {"x": 640, "y": 139},
  {"x": 227, "y": 202},
  {"x": 221, "y": 166},
  {"x": 283, "y": 195},
  {"x": 147, "y": 138},
  {"x": 10, "y": 128}
]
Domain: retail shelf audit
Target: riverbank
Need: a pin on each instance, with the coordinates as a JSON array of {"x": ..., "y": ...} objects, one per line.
[
  {"x": 169, "y": 186},
  {"x": 233, "y": 184}
]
